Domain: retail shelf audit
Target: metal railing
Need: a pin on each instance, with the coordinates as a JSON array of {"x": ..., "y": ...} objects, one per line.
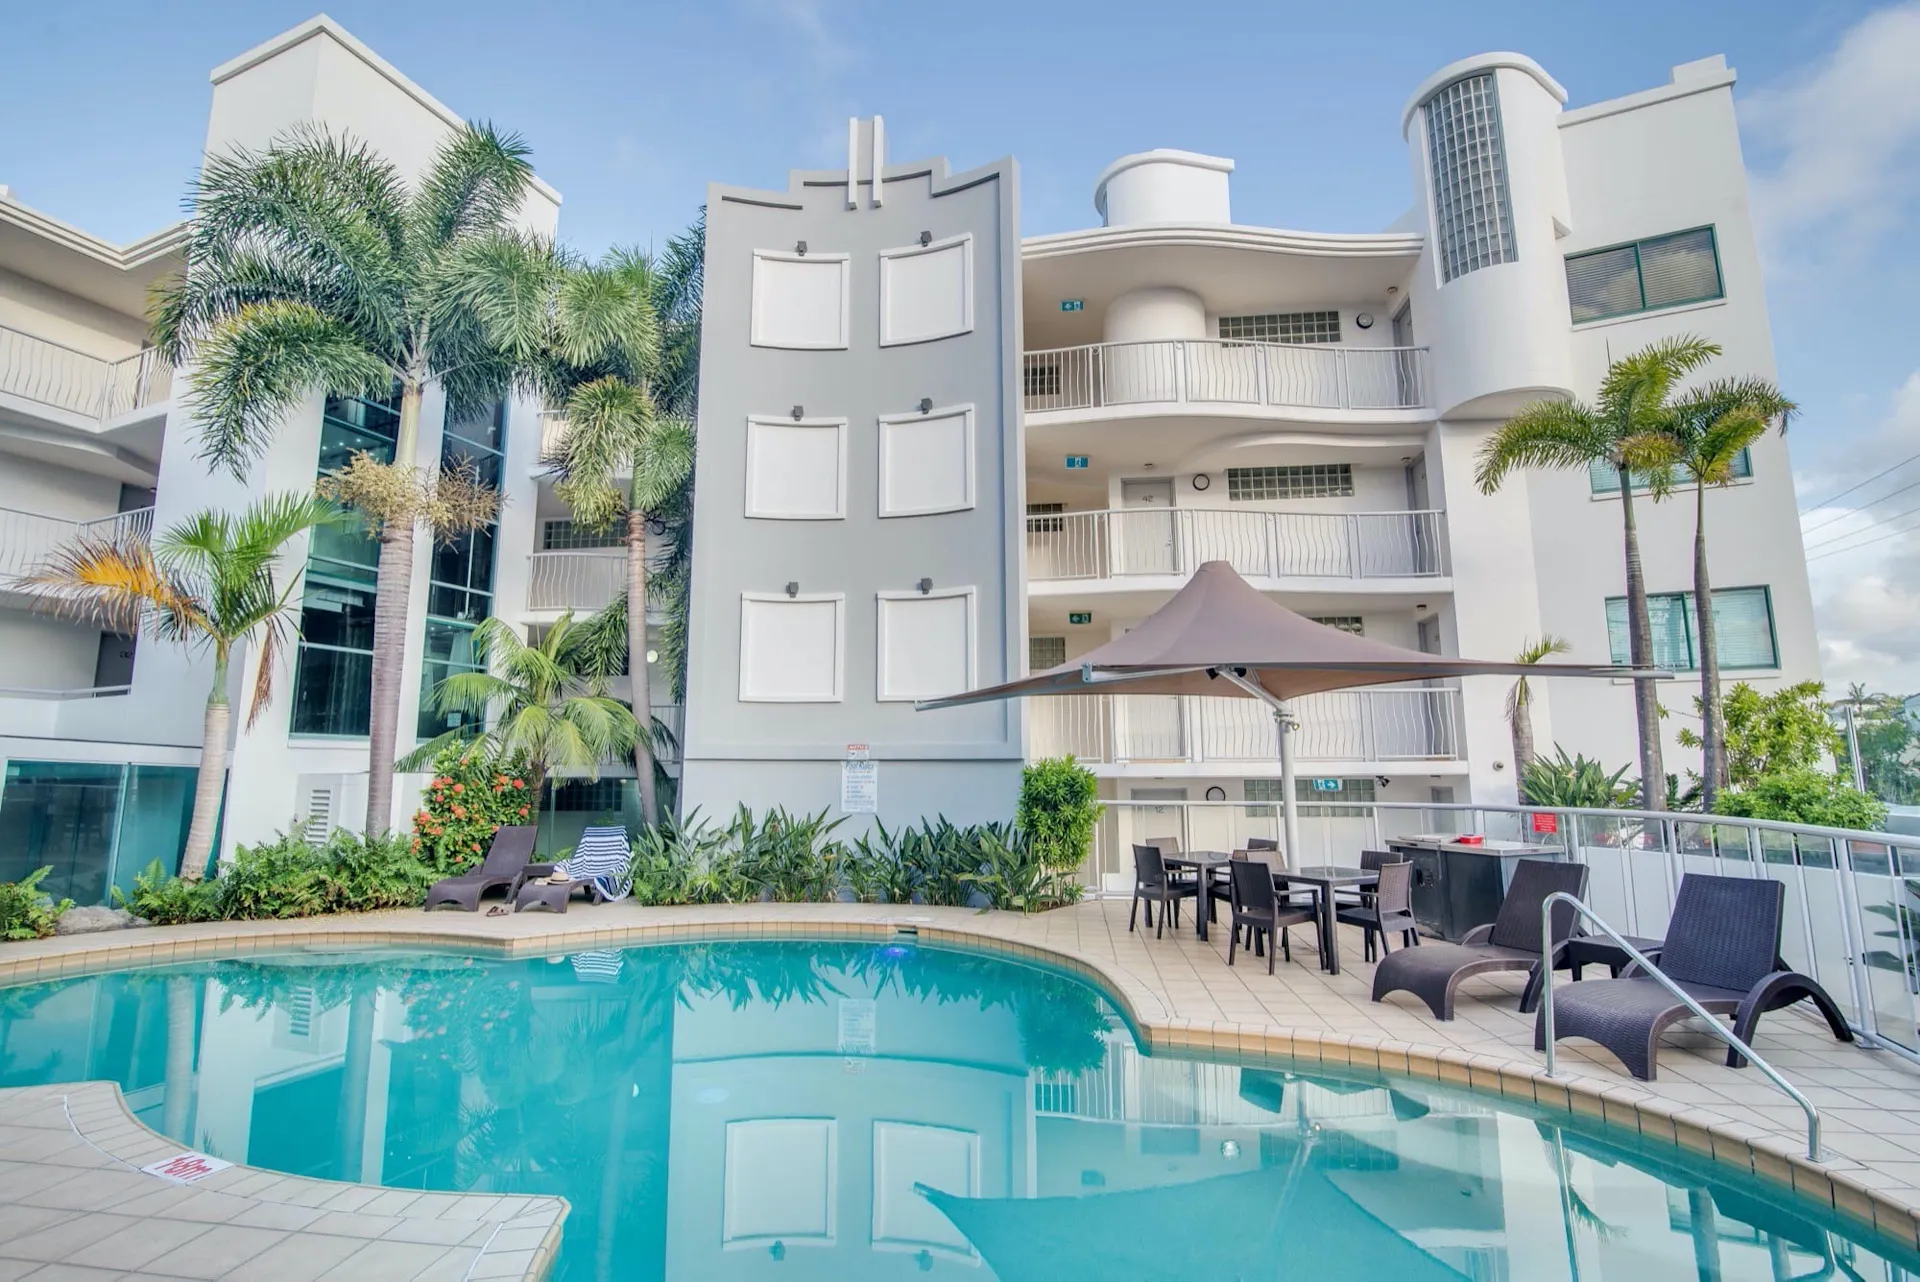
[
  {"x": 1387, "y": 723},
  {"x": 580, "y": 581},
  {"x": 1852, "y": 897},
  {"x": 50, "y": 373},
  {"x": 1203, "y": 371},
  {"x": 1714, "y": 1026},
  {"x": 1257, "y": 543},
  {"x": 27, "y": 539},
  {"x": 62, "y": 696}
]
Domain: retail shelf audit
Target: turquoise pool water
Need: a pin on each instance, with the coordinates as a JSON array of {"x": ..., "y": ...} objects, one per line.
[{"x": 858, "y": 1111}]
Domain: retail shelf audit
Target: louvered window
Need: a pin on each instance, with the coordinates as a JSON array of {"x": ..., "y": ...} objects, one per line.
[
  {"x": 1603, "y": 478},
  {"x": 1742, "y": 624},
  {"x": 1662, "y": 271}
]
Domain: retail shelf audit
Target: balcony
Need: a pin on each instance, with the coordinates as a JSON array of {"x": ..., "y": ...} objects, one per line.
[
  {"x": 1115, "y": 546},
  {"x": 1382, "y": 725},
  {"x": 59, "y": 377},
  {"x": 1234, "y": 377},
  {"x": 27, "y": 539},
  {"x": 581, "y": 581}
]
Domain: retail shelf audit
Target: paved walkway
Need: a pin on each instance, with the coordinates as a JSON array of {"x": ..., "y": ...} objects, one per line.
[{"x": 1181, "y": 994}]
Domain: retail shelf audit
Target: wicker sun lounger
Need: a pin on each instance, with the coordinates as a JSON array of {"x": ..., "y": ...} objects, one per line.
[{"x": 503, "y": 868}]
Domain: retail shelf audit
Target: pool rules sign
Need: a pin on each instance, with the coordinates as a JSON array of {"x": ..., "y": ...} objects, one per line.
[{"x": 859, "y": 782}]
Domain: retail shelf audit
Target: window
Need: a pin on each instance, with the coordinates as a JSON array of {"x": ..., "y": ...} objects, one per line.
[
  {"x": 1045, "y": 652},
  {"x": 1261, "y": 790},
  {"x": 1344, "y": 622},
  {"x": 592, "y": 796},
  {"x": 1044, "y": 510},
  {"x": 567, "y": 536},
  {"x": 1311, "y": 481},
  {"x": 1472, "y": 211},
  {"x": 460, "y": 582},
  {"x": 1742, "y": 623},
  {"x": 1603, "y": 478},
  {"x": 1665, "y": 271},
  {"x": 1283, "y": 327},
  {"x": 1350, "y": 790}
]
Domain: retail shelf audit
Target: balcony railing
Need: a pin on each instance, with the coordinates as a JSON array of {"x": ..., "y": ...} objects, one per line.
[
  {"x": 1317, "y": 545},
  {"x": 1203, "y": 371},
  {"x": 580, "y": 581},
  {"x": 54, "y": 374},
  {"x": 27, "y": 539},
  {"x": 1393, "y": 723}
]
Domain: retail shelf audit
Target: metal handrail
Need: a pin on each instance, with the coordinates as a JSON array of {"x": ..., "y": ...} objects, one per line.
[{"x": 1725, "y": 1034}]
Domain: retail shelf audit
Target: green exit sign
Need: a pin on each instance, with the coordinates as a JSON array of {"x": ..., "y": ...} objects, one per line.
[
  {"x": 1326, "y": 785},
  {"x": 1080, "y": 617},
  {"x": 1073, "y": 304}
]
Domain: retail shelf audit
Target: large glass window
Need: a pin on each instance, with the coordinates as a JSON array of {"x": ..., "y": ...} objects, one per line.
[
  {"x": 333, "y": 673},
  {"x": 460, "y": 582},
  {"x": 1742, "y": 623},
  {"x": 1604, "y": 478},
  {"x": 1663, "y": 271},
  {"x": 95, "y": 824},
  {"x": 1472, "y": 210}
]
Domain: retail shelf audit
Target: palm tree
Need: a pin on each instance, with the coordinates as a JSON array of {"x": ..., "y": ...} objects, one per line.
[
  {"x": 539, "y": 699},
  {"x": 1619, "y": 429},
  {"x": 1520, "y": 704},
  {"x": 1704, "y": 434},
  {"x": 626, "y": 420},
  {"x": 313, "y": 266},
  {"x": 206, "y": 583}
]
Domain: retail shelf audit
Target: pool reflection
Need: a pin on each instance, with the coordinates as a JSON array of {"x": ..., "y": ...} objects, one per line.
[{"x": 853, "y": 1112}]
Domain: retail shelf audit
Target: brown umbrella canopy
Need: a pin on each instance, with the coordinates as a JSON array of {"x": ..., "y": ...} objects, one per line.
[{"x": 1219, "y": 622}]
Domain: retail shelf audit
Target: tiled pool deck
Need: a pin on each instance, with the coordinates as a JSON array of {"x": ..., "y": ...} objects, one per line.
[{"x": 1179, "y": 991}]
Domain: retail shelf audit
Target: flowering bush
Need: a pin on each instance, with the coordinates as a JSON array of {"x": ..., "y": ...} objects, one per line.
[{"x": 473, "y": 793}]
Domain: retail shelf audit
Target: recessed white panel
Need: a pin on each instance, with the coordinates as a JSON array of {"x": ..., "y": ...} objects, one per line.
[
  {"x": 800, "y": 300},
  {"x": 780, "y": 1181},
  {"x": 792, "y": 649},
  {"x": 926, "y": 292},
  {"x": 926, "y": 643},
  {"x": 797, "y": 471},
  {"x": 926, "y": 462},
  {"x": 905, "y": 1154}
]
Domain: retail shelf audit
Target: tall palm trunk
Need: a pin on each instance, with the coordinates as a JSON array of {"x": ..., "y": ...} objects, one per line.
[
  {"x": 637, "y": 660},
  {"x": 210, "y": 784},
  {"x": 182, "y": 1004},
  {"x": 1713, "y": 753},
  {"x": 393, "y": 589},
  {"x": 1646, "y": 692},
  {"x": 1522, "y": 738}
]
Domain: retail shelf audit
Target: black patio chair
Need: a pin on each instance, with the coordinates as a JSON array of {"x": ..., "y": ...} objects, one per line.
[
  {"x": 504, "y": 868},
  {"x": 1510, "y": 942},
  {"x": 1370, "y": 861},
  {"x": 1153, "y": 883},
  {"x": 1391, "y": 909},
  {"x": 1722, "y": 949},
  {"x": 1259, "y": 910}
]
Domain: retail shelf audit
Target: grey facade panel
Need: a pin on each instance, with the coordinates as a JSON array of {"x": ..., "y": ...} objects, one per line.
[{"x": 965, "y": 761}]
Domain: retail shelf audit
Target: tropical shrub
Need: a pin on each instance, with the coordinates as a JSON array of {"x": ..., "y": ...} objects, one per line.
[
  {"x": 288, "y": 876},
  {"x": 1059, "y": 806},
  {"x": 789, "y": 858},
  {"x": 687, "y": 862},
  {"x": 1016, "y": 875},
  {"x": 27, "y": 912},
  {"x": 1561, "y": 780},
  {"x": 1808, "y": 796},
  {"x": 474, "y": 793}
]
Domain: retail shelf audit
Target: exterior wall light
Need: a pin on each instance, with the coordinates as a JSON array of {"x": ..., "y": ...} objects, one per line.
[
  {"x": 793, "y": 587},
  {"x": 800, "y": 248},
  {"x": 799, "y": 412},
  {"x": 925, "y": 586}
]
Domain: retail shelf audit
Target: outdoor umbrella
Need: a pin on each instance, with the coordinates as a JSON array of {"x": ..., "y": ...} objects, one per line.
[{"x": 1220, "y": 636}]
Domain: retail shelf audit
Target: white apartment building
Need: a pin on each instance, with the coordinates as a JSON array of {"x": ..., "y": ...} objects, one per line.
[
  {"x": 1309, "y": 407},
  {"x": 1305, "y": 405}
]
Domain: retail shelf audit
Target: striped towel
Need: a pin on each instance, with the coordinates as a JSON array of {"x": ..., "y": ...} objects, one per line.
[
  {"x": 597, "y": 967},
  {"x": 604, "y": 858}
]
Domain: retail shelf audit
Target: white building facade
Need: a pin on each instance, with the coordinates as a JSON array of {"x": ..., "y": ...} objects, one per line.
[{"x": 1307, "y": 406}]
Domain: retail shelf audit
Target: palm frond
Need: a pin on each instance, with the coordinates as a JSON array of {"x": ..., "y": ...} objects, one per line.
[
  {"x": 604, "y": 315},
  {"x": 475, "y": 184},
  {"x": 664, "y": 464},
  {"x": 1552, "y": 434},
  {"x": 119, "y": 585},
  {"x": 504, "y": 282}
]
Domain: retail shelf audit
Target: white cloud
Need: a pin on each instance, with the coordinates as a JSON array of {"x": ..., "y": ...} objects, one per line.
[{"x": 1846, "y": 135}]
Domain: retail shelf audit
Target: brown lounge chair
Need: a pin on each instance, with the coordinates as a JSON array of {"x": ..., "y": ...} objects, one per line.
[
  {"x": 1722, "y": 949},
  {"x": 1432, "y": 972},
  {"x": 504, "y": 867}
]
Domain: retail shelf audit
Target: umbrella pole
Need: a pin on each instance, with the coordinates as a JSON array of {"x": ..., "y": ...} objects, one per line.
[{"x": 1289, "y": 819}]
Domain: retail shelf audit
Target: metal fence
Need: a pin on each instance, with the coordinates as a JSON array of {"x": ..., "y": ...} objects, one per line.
[
  {"x": 1852, "y": 898},
  {"x": 49, "y": 373},
  {"x": 1177, "y": 541},
  {"x": 1214, "y": 371},
  {"x": 27, "y": 539},
  {"x": 1386, "y": 723},
  {"x": 581, "y": 580}
]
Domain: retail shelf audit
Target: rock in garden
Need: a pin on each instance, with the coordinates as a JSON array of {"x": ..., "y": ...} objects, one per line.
[{"x": 89, "y": 921}]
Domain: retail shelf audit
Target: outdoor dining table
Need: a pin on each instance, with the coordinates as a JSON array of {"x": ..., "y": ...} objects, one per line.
[
  {"x": 1203, "y": 863},
  {"x": 1326, "y": 877}
]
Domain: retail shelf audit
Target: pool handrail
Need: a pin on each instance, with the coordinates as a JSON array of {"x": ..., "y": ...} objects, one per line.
[{"x": 1714, "y": 1026}]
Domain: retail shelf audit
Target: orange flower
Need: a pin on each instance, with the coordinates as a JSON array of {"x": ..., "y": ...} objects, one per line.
[
  {"x": 523, "y": 812},
  {"x": 459, "y": 812},
  {"x": 459, "y": 788},
  {"x": 519, "y": 783}
]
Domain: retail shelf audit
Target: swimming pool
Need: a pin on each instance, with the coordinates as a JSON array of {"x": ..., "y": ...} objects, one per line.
[{"x": 866, "y": 1111}]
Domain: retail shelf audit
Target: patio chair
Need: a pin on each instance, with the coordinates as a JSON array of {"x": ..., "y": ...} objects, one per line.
[
  {"x": 1390, "y": 910},
  {"x": 1370, "y": 861},
  {"x": 1722, "y": 949},
  {"x": 1259, "y": 910},
  {"x": 504, "y": 868},
  {"x": 1510, "y": 942},
  {"x": 601, "y": 864},
  {"x": 1153, "y": 883}
]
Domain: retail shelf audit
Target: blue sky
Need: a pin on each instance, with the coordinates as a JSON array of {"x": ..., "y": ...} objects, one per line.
[{"x": 633, "y": 108}]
